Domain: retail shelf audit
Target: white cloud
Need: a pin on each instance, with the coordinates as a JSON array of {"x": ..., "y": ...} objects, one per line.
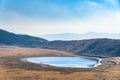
[
  {"x": 103, "y": 20},
  {"x": 114, "y": 3},
  {"x": 109, "y": 22},
  {"x": 92, "y": 4}
]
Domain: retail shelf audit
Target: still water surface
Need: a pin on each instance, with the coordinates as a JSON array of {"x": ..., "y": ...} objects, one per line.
[{"x": 75, "y": 62}]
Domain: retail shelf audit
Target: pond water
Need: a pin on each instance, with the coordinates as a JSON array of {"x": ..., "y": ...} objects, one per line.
[{"x": 74, "y": 62}]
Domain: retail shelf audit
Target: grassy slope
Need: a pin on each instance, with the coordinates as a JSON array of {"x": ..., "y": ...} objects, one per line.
[
  {"x": 91, "y": 47},
  {"x": 19, "y": 51}
]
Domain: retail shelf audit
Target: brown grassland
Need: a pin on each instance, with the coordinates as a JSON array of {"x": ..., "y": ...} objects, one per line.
[{"x": 12, "y": 68}]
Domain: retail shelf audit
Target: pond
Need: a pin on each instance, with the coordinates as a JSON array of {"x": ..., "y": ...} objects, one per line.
[{"x": 74, "y": 62}]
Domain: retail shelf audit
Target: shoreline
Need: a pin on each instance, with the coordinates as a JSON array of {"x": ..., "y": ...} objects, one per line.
[
  {"x": 99, "y": 62},
  {"x": 92, "y": 58},
  {"x": 12, "y": 68}
]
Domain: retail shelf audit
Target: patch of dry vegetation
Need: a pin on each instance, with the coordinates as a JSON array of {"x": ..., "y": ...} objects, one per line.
[
  {"x": 24, "y": 52},
  {"x": 11, "y": 68},
  {"x": 116, "y": 60}
]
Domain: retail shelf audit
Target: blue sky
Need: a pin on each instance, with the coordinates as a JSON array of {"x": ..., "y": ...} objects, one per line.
[{"x": 60, "y": 16}]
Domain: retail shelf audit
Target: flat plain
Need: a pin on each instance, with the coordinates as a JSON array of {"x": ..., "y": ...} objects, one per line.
[{"x": 12, "y": 68}]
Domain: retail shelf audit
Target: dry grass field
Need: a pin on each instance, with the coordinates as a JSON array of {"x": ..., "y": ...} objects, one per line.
[
  {"x": 18, "y": 51},
  {"x": 12, "y": 68}
]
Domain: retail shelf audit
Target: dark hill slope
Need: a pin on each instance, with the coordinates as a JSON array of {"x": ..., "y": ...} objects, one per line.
[
  {"x": 91, "y": 47},
  {"x": 7, "y": 38}
]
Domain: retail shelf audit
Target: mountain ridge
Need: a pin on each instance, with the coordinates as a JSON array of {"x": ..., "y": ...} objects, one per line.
[
  {"x": 74, "y": 36},
  {"x": 101, "y": 47},
  {"x": 9, "y": 38}
]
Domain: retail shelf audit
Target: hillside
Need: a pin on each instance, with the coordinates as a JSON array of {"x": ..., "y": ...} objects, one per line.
[
  {"x": 92, "y": 47},
  {"x": 14, "y": 51},
  {"x": 8, "y": 38}
]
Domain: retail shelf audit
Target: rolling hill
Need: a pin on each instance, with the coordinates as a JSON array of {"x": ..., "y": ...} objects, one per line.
[
  {"x": 92, "y": 47},
  {"x": 8, "y": 38},
  {"x": 102, "y": 47}
]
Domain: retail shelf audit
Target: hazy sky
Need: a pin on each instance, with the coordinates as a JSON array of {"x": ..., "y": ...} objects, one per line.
[{"x": 37, "y": 17}]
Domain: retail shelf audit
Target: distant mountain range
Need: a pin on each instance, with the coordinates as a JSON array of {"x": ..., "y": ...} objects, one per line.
[
  {"x": 72, "y": 36},
  {"x": 102, "y": 47}
]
